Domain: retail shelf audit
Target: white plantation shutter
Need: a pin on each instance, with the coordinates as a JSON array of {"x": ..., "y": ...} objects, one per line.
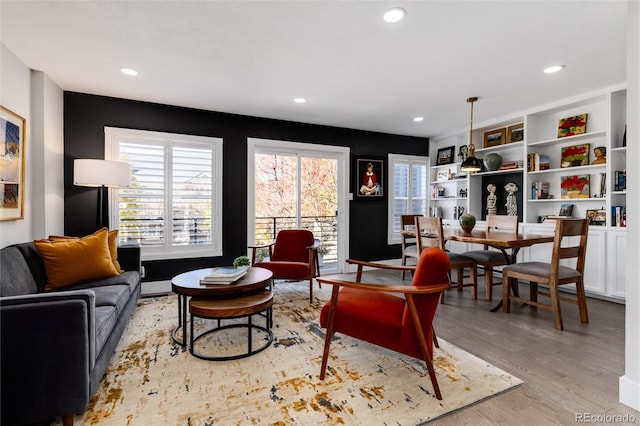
[
  {"x": 408, "y": 191},
  {"x": 172, "y": 207}
]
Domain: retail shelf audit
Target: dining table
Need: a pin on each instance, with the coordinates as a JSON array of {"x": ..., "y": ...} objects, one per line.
[{"x": 507, "y": 242}]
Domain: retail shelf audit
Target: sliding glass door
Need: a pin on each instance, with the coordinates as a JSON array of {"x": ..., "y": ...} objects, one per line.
[{"x": 293, "y": 186}]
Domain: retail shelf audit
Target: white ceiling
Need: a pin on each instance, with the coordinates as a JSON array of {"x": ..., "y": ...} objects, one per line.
[{"x": 254, "y": 57}]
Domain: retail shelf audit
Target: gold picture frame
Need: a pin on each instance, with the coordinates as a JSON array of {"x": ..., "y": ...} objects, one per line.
[
  {"x": 515, "y": 133},
  {"x": 12, "y": 164},
  {"x": 495, "y": 137}
]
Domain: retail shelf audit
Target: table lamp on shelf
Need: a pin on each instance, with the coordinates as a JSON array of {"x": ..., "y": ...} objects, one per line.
[
  {"x": 101, "y": 174},
  {"x": 471, "y": 163}
]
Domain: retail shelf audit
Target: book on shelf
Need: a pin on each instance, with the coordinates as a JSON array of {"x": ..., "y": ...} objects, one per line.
[
  {"x": 540, "y": 191},
  {"x": 603, "y": 185},
  {"x": 618, "y": 216},
  {"x": 537, "y": 162},
  {"x": 511, "y": 165},
  {"x": 620, "y": 180},
  {"x": 223, "y": 276}
]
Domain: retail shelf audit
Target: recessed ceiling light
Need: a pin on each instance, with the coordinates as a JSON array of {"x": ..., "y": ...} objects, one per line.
[
  {"x": 128, "y": 71},
  {"x": 299, "y": 100},
  {"x": 418, "y": 119},
  {"x": 394, "y": 15},
  {"x": 552, "y": 69}
]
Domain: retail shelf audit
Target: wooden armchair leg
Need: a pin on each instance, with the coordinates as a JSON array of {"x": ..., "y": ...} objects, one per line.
[{"x": 67, "y": 420}]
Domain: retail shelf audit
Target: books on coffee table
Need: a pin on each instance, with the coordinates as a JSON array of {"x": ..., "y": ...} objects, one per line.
[{"x": 224, "y": 275}]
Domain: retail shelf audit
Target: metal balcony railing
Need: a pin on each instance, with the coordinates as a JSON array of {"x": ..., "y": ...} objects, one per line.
[{"x": 324, "y": 228}]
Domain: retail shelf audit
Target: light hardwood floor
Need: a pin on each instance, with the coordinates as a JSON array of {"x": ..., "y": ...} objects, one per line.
[{"x": 565, "y": 373}]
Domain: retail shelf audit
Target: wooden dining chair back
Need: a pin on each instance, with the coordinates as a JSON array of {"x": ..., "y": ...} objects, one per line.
[
  {"x": 376, "y": 314},
  {"x": 488, "y": 258},
  {"x": 569, "y": 248},
  {"x": 432, "y": 235},
  {"x": 409, "y": 243}
]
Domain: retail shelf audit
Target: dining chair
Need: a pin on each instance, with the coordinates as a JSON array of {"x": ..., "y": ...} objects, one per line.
[
  {"x": 487, "y": 258},
  {"x": 375, "y": 314},
  {"x": 432, "y": 235},
  {"x": 570, "y": 242},
  {"x": 292, "y": 256},
  {"x": 408, "y": 222}
]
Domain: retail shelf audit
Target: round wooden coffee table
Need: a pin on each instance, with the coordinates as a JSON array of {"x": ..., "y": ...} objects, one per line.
[{"x": 187, "y": 285}]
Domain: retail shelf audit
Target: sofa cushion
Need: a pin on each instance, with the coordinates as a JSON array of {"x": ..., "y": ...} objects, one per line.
[
  {"x": 71, "y": 261},
  {"x": 112, "y": 295},
  {"x": 106, "y": 320},
  {"x": 113, "y": 245},
  {"x": 129, "y": 278},
  {"x": 16, "y": 278}
]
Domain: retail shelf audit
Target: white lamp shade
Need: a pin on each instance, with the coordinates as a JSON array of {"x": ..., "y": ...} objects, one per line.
[{"x": 101, "y": 173}]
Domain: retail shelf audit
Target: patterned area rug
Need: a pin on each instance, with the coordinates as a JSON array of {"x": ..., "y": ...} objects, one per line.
[{"x": 153, "y": 381}]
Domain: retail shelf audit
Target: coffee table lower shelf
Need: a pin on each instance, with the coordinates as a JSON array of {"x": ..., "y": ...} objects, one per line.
[{"x": 258, "y": 303}]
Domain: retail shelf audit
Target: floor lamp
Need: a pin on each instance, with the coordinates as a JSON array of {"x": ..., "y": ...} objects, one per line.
[{"x": 101, "y": 174}]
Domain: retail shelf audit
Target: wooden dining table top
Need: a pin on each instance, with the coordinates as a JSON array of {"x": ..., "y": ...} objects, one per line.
[{"x": 496, "y": 239}]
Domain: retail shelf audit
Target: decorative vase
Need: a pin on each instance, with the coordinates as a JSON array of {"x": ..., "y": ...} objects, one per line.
[
  {"x": 493, "y": 161},
  {"x": 467, "y": 222}
]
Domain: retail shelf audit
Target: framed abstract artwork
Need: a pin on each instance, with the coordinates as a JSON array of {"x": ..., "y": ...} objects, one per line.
[
  {"x": 12, "y": 164},
  {"x": 575, "y": 186},
  {"x": 575, "y": 155},
  {"x": 572, "y": 126}
]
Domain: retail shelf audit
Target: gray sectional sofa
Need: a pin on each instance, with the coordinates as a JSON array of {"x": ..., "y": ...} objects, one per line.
[{"x": 56, "y": 345}]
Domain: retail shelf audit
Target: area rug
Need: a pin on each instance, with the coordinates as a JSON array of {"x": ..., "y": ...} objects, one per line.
[{"x": 153, "y": 381}]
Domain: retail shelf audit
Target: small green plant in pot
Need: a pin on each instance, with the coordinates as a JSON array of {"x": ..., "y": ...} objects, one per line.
[{"x": 241, "y": 262}]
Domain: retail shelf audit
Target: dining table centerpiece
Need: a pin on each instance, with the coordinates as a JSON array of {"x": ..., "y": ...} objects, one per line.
[{"x": 467, "y": 222}]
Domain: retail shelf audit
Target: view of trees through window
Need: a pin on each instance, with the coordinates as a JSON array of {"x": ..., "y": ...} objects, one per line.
[{"x": 294, "y": 191}]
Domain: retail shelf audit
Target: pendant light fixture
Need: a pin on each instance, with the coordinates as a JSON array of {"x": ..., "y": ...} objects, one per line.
[{"x": 471, "y": 163}]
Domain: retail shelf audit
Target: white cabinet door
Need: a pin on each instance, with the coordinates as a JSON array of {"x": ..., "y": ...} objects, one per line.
[
  {"x": 617, "y": 256},
  {"x": 594, "y": 269}
]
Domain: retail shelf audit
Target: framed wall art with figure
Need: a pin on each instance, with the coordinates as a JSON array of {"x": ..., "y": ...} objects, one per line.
[
  {"x": 12, "y": 165},
  {"x": 369, "y": 178}
]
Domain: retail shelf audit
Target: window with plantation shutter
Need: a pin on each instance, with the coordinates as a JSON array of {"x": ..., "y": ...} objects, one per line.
[
  {"x": 407, "y": 191},
  {"x": 172, "y": 207}
]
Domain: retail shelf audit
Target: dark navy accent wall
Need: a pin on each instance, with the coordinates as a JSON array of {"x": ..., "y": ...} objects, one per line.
[{"x": 85, "y": 117}]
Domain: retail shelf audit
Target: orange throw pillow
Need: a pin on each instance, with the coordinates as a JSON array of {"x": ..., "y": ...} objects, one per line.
[
  {"x": 113, "y": 246},
  {"x": 70, "y": 261}
]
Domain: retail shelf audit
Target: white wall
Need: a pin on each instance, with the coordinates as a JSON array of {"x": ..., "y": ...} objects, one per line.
[
  {"x": 36, "y": 98},
  {"x": 630, "y": 383},
  {"x": 47, "y": 102}
]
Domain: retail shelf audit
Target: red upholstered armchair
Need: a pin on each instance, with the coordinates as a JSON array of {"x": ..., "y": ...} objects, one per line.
[
  {"x": 369, "y": 312},
  {"x": 292, "y": 256}
]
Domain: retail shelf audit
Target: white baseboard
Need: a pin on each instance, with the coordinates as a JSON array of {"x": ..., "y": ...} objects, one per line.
[
  {"x": 629, "y": 392},
  {"x": 153, "y": 288}
]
